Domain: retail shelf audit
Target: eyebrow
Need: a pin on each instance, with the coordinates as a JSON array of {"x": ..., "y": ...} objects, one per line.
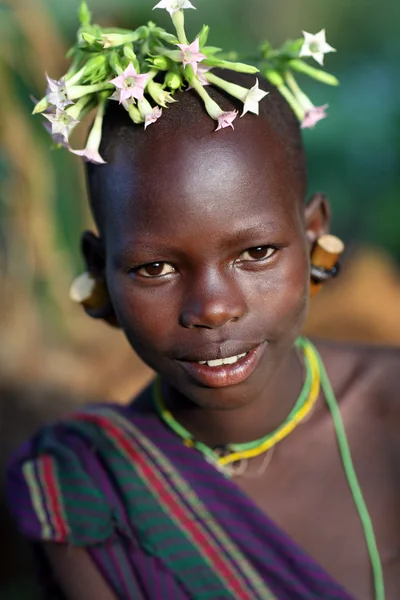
[{"x": 144, "y": 245}]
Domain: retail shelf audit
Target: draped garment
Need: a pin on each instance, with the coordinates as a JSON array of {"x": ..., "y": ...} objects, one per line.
[{"x": 156, "y": 518}]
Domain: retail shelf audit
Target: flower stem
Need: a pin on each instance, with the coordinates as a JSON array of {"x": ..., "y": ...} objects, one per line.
[
  {"x": 95, "y": 133},
  {"x": 322, "y": 76},
  {"x": 78, "y": 91},
  {"x": 291, "y": 100},
  {"x": 277, "y": 80},
  {"x": 76, "y": 109},
  {"x": 212, "y": 107},
  {"x": 75, "y": 78},
  {"x": 178, "y": 20},
  {"x": 237, "y": 91},
  {"x": 304, "y": 100}
]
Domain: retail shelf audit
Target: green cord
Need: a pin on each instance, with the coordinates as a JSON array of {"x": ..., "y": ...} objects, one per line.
[{"x": 352, "y": 479}]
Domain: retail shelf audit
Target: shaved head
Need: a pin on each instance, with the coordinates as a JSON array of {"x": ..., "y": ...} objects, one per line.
[{"x": 122, "y": 139}]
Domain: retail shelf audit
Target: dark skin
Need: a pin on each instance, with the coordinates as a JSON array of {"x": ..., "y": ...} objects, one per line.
[{"x": 203, "y": 260}]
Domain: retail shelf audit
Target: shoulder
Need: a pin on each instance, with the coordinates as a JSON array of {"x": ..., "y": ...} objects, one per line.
[
  {"x": 367, "y": 377},
  {"x": 59, "y": 469},
  {"x": 369, "y": 368}
]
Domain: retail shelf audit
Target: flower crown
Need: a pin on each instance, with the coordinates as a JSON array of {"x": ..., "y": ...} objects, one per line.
[{"x": 126, "y": 66}]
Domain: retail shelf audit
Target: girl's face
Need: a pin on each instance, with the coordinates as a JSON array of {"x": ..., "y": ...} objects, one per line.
[{"x": 207, "y": 258}]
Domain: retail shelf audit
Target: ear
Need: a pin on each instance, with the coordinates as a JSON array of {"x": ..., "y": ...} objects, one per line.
[
  {"x": 317, "y": 217},
  {"x": 93, "y": 253},
  {"x": 95, "y": 258}
]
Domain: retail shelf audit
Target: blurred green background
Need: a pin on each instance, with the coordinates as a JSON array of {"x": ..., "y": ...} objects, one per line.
[{"x": 354, "y": 156}]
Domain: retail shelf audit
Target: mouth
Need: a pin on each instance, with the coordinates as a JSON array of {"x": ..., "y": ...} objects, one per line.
[{"x": 226, "y": 371}]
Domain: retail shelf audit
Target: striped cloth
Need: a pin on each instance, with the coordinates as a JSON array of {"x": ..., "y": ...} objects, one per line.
[{"x": 157, "y": 520}]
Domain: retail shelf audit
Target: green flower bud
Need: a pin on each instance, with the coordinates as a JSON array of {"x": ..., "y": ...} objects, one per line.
[
  {"x": 41, "y": 106},
  {"x": 161, "y": 62},
  {"x": 134, "y": 114},
  {"x": 233, "y": 66},
  {"x": 88, "y": 38},
  {"x": 168, "y": 37},
  {"x": 84, "y": 14},
  {"x": 173, "y": 80},
  {"x": 302, "y": 67},
  {"x": 129, "y": 53}
]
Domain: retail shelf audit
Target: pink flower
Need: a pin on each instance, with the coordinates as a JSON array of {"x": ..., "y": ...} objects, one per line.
[
  {"x": 89, "y": 155},
  {"x": 201, "y": 71},
  {"x": 152, "y": 116},
  {"x": 225, "y": 119},
  {"x": 313, "y": 115},
  {"x": 131, "y": 84},
  {"x": 191, "y": 54}
]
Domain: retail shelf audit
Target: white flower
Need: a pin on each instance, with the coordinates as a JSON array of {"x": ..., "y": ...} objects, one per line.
[
  {"x": 253, "y": 97},
  {"x": 57, "y": 93},
  {"x": 61, "y": 123},
  {"x": 315, "y": 45},
  {"x": 173, "y": 6}
]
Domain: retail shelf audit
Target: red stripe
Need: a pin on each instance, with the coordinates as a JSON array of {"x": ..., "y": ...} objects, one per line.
[
  {"x": 53, "y": 499},
  {"x": 169, "y": 502}
]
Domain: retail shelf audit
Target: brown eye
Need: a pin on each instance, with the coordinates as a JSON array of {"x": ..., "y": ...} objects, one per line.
[
  {"x": 258, "y": 253},
  {"x": 156, "y": 269}
]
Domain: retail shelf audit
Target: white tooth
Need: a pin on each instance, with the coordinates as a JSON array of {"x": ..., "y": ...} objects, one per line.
[
  {"x": 242, "y": 355},
  {"x": 215, "y": 363},
  {"x": 202, "y": 362},
  {"x": 230, "y": 360}
]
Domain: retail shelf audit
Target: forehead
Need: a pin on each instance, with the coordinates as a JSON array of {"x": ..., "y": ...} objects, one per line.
[{"x": 205, "y": 179}]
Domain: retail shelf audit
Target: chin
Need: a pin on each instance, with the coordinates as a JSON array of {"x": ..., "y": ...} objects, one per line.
[{"x": 227, "y": 398}]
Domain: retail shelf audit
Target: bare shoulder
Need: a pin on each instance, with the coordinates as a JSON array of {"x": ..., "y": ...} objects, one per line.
[
  {"x": 366, "y": 377},
  {"x": 369, "y": 368}
]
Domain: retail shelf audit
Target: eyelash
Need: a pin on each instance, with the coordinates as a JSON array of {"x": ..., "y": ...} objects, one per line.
[{"x": 137, "y": 270}]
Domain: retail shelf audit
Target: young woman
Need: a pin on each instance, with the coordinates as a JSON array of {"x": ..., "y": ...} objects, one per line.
[{"x": 258, "y": 465}]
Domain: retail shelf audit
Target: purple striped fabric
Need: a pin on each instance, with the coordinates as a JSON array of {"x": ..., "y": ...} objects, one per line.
[{"x": 136, "y": 574}]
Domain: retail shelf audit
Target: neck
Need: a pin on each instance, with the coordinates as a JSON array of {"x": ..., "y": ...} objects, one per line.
[{"x": 250, "y": 422}]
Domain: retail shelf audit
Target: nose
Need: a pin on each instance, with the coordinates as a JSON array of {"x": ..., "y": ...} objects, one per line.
[{"x": 212, "y": 301}]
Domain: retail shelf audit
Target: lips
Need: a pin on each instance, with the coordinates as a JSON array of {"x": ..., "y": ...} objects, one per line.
[
  {"x": 225, "y": 350},
  {"x": 223, "y": 372}
]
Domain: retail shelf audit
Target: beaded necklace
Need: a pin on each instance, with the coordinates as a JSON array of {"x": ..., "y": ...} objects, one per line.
[{"x": 236, "y": 452}]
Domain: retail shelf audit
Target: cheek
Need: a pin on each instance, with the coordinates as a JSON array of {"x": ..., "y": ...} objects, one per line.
[
  {"x": 147, "y": 316},
  {"x": 282, "y": 294}
]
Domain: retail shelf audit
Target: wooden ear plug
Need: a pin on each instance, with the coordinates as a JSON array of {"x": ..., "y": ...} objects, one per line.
[
  {"x": 89, "y": 291},
  {"x": 325, "y": 261}
]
